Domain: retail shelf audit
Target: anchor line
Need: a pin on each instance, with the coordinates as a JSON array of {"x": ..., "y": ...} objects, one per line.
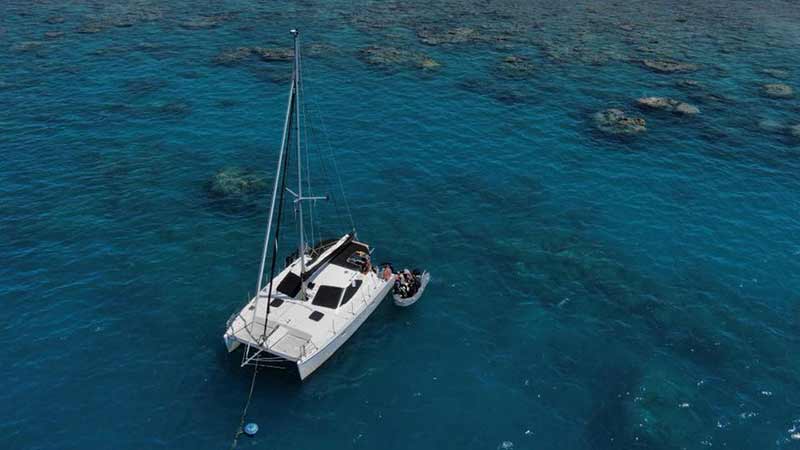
[{"x": 240, "y": 430}]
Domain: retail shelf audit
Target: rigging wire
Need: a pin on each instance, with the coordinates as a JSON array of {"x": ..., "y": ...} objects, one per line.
[
  {"x": 338, "y": 175},
  {"x": 339, "y": 216},
  {"x": 335, "y": 165},
  {"x": 323, "y": 166}
]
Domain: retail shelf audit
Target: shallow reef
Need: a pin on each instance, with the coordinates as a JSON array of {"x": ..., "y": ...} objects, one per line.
[
  {"x": 661, "y": 407},
  {"x": 393, "y": 58},
  {"x": 484, "y": 33},
  {"x": 777, "y": 90},
  {"x": 780, "y": 74},
  {"x": 668, "y": 105},
  {"x": 458, "y": 35},
  {"x": 233, "y": 56},
  {"x": 515, "y": 67},
  {"x": 176, "y": 109},
  {"x": 505, "y": 93},
  {"x": 236, "y": 188},
  {"x": 27, "y": 46},
  {"x": 237, "y": 55},
  {"x": 794, "y": 131},
  {"x": 668, "y": 66},
  {"x": 204, "y": 22},
  {"x": 141, "y": 86},
  {"x": 616, "y": 122}
]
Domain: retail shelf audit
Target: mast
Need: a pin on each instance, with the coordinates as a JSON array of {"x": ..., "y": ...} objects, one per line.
[
  {"x": 301, "y": 245},
  {"x": 283, "y": 152}
]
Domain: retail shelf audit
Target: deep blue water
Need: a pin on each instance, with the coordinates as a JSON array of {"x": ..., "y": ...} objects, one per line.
[{"x": 589, "y": 291}]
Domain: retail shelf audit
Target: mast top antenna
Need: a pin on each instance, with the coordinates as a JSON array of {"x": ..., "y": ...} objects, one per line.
[{"x": 294, "y": 32}]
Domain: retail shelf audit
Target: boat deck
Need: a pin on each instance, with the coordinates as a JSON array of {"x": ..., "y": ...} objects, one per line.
[{"x": 297, "y": 328}]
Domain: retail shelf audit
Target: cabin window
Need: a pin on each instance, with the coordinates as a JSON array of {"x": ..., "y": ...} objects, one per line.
[{"x": 350, "y": 291}]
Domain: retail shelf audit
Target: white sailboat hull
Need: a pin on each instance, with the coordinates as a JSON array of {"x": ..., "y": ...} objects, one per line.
[
  {"x": 306, "y": 330},
  {"x": 307, "y": 367},
  {"x": 307, "y": 311}
]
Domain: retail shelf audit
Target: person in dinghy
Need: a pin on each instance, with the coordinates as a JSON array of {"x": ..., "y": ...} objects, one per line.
[
  {"x": 406, "y": 283},
  {"x": 408, "y": 286}
]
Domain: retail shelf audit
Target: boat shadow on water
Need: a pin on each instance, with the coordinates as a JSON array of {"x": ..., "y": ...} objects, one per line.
[{"x": 280, "y": 375}]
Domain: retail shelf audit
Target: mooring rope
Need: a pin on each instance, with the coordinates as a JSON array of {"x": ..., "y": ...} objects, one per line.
[{"x": 240, "y": 430}]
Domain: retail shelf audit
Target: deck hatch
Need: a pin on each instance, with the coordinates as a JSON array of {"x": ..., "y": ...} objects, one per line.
[
  {"x": 316, "y": 316},
  {"x": 327, "y": 296},
  {"x": 290, "y": 285}
]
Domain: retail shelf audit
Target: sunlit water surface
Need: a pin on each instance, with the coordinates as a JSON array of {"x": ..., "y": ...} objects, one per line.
[{"x": 589, "y": 290}]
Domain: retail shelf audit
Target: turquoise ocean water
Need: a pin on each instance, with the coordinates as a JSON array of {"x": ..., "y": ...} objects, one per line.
[{"x": 590, "y": 291}]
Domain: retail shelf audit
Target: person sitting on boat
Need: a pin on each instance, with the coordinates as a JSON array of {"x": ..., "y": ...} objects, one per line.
[
  {"x": 416, "y": 276},
  {"x": 400, "y": 285},
  {"x": 409, "y": 279},
  {"x": 387, "y": 273},
  {"x": 367, "y": 265},
  {"x": 406, "y": 284},
  {"x": 412, "y": 282}
]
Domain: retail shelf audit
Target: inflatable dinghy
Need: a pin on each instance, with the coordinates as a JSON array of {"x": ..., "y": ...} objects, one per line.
[{"x": 399, "y": 300}]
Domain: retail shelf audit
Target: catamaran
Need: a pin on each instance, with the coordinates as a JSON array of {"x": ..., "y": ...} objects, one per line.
[{"x": 326, "y": 291}]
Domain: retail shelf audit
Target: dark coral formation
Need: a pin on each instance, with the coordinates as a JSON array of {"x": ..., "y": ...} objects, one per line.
[
  {"x": 502, "y": 92},
  {"x": 458, "y": 35},
  {"x": 661, "y": 407},
  {"x": 91, "y": 27},
  {"x": 230, "y": 57},
  {"x": 54, "y": 20},
  {"x": 515, "y": 67},
  {"x": 143, "y": 86},
  {"x": 777, "y": 90},
  {"x": 669, "y": 66},
  {"x": 234, "y": 56},
  {"x": 205, "y": 22},
  {"x": 668, "y": 105},
  {"x": 236, "y": 181},
  {"x": 27, "y": 46},
  {"x": 780, "y": 74},
  {"x": 274, "y": 54},
  {"x": 119, "y": 16},
  {"x": 794, "y": 131},
  {"x": 395, "y": 58},
  {"x": 498, "y": 34},
  {"x": 236, "y": 188},
  {"x": 176, "y": 109},
  {"x": 616, "y": 122}
]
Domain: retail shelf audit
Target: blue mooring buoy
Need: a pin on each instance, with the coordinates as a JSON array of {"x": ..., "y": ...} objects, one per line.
[{"x": 251, "y": 429}]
